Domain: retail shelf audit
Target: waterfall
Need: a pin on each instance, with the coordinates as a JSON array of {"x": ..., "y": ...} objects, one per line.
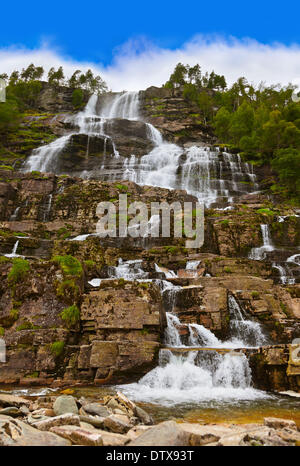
[
  {"x": 47, "y": 210},
  {"x": 129, "y": 270},
  {"x": 260, "y": 252},
  {"x": 198, "y": 170},
  {"x": 14, "y": 251},
  {"x": 286, "y": 275},
  {"x": 244, "y": 332},
  {"x": 14, "y": 216}
]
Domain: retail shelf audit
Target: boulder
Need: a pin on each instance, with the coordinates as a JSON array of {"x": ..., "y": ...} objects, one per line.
[
  {"x": 277, "y": 423},
  {"x": 96, "y": 409},
  {"x": 65, "y": 404},
  {"x": 7, "y": 400},
  {"x": 62, "y": 420},
  {"x": 17, "y": 433},
  {"x": 118, "y": 424},
  {"x": 78, "y": 435},
  {"x": 166, "y": 433}
]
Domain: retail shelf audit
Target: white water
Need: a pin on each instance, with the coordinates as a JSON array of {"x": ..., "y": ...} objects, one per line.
[
  {"x": 198, "y": 170},
  {"x": 260, "y": 253},
  {"x": 14, "y": 251},
  {"x": 195, "y": 375},
  {"x": 286, "y": 276}
]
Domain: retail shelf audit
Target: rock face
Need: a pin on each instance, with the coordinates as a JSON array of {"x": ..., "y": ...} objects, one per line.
[{"x": 121, "y": 323}]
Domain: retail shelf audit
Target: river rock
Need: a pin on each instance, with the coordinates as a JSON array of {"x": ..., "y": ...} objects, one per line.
[
  {"x": 18, "y": 433},
  {"x": 65, "y": 404},
  {"x": 166, "y": 433},
  {"x": 62, "y": 420},
  {"x": 144, "y": 417},
  {"x": 278, "y": 423},
  {"x": 78, "y": 435},
  {"x": 11, "y": 400},
  {"x": 95, "y": 421},
  {"x": 97, "y": 409},
  {"x": 117, "y": 423},
  {"x": 11, "y": 411}
]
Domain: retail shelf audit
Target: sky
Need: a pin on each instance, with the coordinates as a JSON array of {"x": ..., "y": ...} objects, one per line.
[{"x": 135, "y": 44}]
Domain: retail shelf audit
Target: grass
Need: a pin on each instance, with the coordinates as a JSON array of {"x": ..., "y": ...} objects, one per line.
[
  {"x": 19, "y": 271},
  {"x": 70, "y": 315},
  {"x": 57, "y": 348},
  {"x": 69, "y": 265}
]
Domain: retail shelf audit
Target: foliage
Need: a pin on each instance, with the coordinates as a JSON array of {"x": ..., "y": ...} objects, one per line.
[
  {"x": 57, "y": 348},
  {"x": 77, "y": 98},
  {"x": 70, "y": 315},
  {"x": 19, "y": 270},
  {"x": 69, "y": 265}
]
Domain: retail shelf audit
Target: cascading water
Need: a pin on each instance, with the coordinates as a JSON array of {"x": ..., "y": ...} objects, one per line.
[
  {"x": 198, "y": 170},
  {"x": 197, "y": 373},
  {"x": 260, "y": 253}
]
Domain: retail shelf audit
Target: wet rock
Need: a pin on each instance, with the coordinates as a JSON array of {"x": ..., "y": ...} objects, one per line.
[
  {"x": 65, "y": 404},
  {"x": 167, "y": 433},
  {"x": 144, "y": 417},
  {"x": 78, "y": 435}
]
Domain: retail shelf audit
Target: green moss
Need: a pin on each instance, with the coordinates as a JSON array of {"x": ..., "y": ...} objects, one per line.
[
  {"x": 266, "y": 211},
  {"x": 69, "y": 265},
  {"x": 227, "y": 270},
  {"x": 14, "y": 314},
  {"x": 68, "y": 289},
  {"x": 70, "y": 315},
  {"x": 2, "y": 331},
  {"x": 122, "y": 187},
  {"x": 89, "y": 264},
  {"x": 27, "y": 326},
  {"x": 57, "y": 348},
  {"x": 255, "y": 294},
  {"x": 18, "y": 271},
  {"x": 33, "y": 375},
  {"x": 4, "y": 260}
]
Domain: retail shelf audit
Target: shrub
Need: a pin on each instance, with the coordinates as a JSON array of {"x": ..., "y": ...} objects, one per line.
[
  {"x": 18, "y": 271},
  {"x": 77, "y": 98},
  {"x": 57, "y": 348},
  {"x": 70, "y": 315},
  {"x": 69, "y": 265}
]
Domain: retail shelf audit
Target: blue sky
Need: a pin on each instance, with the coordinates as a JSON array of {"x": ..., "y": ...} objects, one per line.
[{"x": 95, "y": 32}]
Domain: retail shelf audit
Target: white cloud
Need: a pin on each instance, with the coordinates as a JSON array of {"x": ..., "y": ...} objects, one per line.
[{"x": 139, "y": 64}]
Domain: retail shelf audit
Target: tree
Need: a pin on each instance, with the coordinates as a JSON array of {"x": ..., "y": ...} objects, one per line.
[
  {"x": 56, "y": 77},
  {"x": 178, "y": 77},
  {"x": 32, "y": 73},
  {"x": 222, "y": 123},
  {"x": 77, "y": 98},
  {"x": 287, "y": 164},
  {"x": 9, "y": 115},
  {"x": 242, "y": 122}
]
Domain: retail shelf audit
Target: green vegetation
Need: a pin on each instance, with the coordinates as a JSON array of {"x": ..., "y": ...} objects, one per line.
[
  {"x": 57, "y": 348},
  {"x": 19, "y": 271},
  {"x": 2, "y": 331},
  {"x": 69, "y": 265},
  {"x": 70, "y": 315},
  {"x": 262, "y": 122}
]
